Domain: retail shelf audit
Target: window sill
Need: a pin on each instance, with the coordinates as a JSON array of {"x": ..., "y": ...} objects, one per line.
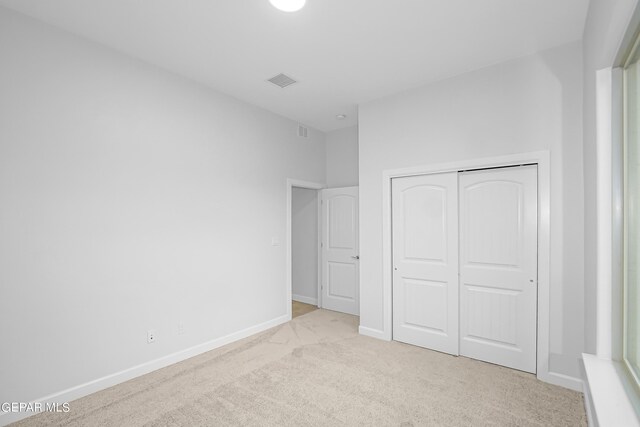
[{"x": 607, "y": 395}]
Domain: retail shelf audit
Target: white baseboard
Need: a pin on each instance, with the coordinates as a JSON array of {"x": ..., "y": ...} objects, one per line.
[
  {"x": 306, "y": 300},
  {"x": 562, "y": 380},
  {"x": 96, "y": 385},
  {"x": 373, "y": 333}
]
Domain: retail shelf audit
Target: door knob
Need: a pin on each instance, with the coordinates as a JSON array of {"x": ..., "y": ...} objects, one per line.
[{"x": 356, "y": 257}]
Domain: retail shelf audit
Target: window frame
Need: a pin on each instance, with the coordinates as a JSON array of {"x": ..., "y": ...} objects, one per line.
[{"x": 621, "y": 237}]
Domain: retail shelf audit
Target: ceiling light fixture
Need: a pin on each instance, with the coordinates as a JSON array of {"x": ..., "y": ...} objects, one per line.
[
  {"x": 341, "y": 116},
  {"x": 288, "y": 5}
]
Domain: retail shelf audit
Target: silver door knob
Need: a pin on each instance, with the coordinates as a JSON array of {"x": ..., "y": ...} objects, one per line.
[{"x": 356, "y": 257}]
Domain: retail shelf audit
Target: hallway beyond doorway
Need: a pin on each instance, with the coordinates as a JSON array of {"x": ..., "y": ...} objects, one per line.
[{"x": 300, "y": 308}]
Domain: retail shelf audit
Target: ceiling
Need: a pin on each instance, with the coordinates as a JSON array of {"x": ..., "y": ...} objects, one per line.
[{"x": 342, "y": 52}]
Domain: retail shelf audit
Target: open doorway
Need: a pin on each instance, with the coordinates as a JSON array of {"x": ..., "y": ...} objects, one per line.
[
  {"x": 304, "y": 250},
  {"x": 303, "y": 247},
  {"x": 322, "y": 248}
]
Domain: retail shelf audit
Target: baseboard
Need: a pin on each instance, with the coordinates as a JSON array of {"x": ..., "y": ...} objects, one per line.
[
  {"x": 306, "y": 300},
  {"x": 373, "y": 333},
  {"x": 562, "y": 380},
  {"x": 94, "y": 386}
]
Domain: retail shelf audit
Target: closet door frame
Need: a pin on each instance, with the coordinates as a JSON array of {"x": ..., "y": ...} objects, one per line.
[{"x": 541, "y": 159}]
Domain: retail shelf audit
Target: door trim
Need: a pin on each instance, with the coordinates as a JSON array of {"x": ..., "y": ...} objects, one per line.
[
  {"x": 542, "y": 159},
  {"x": 289, "y": 262}
]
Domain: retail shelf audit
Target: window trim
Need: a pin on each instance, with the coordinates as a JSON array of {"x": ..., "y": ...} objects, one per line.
[
  {"x": 610, "y": 397},
  {"x": 609, "y": 393},
  {"x": 620, "y": 164}
]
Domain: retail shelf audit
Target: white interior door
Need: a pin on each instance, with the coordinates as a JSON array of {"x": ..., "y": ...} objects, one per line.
[
  {"x": 340, "y": 258},
  {"x": 425, "y": 261},
  {"x": 498, "y": 266}
]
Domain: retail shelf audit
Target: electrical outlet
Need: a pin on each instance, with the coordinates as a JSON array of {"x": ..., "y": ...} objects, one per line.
[
  {"x": 152, "y": 336},
  {"x": 180, "y": 328}
]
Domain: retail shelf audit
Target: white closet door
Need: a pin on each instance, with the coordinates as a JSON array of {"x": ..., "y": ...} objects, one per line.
[
  {"x": 340, "y": 259},
  {"x": 498, "y": 266},
  {"x": 425, "y": 257}
]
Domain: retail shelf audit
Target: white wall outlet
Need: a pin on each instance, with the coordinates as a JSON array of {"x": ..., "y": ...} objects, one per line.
[
  {"x": 180, "y": 328},
  {"x": 152, "y": 336},
  {"x": 275, "y": 241}
]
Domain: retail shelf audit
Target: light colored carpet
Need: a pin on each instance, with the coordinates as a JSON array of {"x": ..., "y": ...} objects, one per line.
[
  {"x": 300, "y": 308},
  {"x": 317, "y": 371}
]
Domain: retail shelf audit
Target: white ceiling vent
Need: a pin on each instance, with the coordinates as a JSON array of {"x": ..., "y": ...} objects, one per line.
[
  {"x": 282, "y": 80},
  {"x": 303, "y": 132}
]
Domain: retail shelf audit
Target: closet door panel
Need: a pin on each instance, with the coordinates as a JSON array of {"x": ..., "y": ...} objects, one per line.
[
  {"x": 498, "y": 266},
  {"x": 425, "y": 257}
]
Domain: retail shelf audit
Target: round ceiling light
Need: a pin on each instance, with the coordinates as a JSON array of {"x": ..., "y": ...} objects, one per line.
[{"x": 288, "y": 5}]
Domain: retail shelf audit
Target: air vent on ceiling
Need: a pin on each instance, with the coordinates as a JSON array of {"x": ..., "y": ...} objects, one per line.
[
  {"x": 282, "y": 80},
  {"x": 303, "y": 132}
]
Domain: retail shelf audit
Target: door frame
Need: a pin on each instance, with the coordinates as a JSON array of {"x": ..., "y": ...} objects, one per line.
[
  {"x": 542, "y": 160},
  {"x": 289, "y": 256}
]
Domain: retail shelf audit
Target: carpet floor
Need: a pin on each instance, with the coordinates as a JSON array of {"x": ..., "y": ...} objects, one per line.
[{"x": 317, "y": 371}]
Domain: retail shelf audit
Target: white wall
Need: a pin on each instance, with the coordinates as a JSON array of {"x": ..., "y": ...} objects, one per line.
[
  {"x": 304, "y": 245},
  {"x": 342, "y": 157},
  {"x": 605, "y": 28},
  {"x": 131, "y": 199},
  {"x": 528, "y": 104}
]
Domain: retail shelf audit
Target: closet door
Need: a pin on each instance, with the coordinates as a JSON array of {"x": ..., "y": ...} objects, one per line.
[
  {"x": 425, "y": 261},
  {"x": 498, "y": 266}
]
